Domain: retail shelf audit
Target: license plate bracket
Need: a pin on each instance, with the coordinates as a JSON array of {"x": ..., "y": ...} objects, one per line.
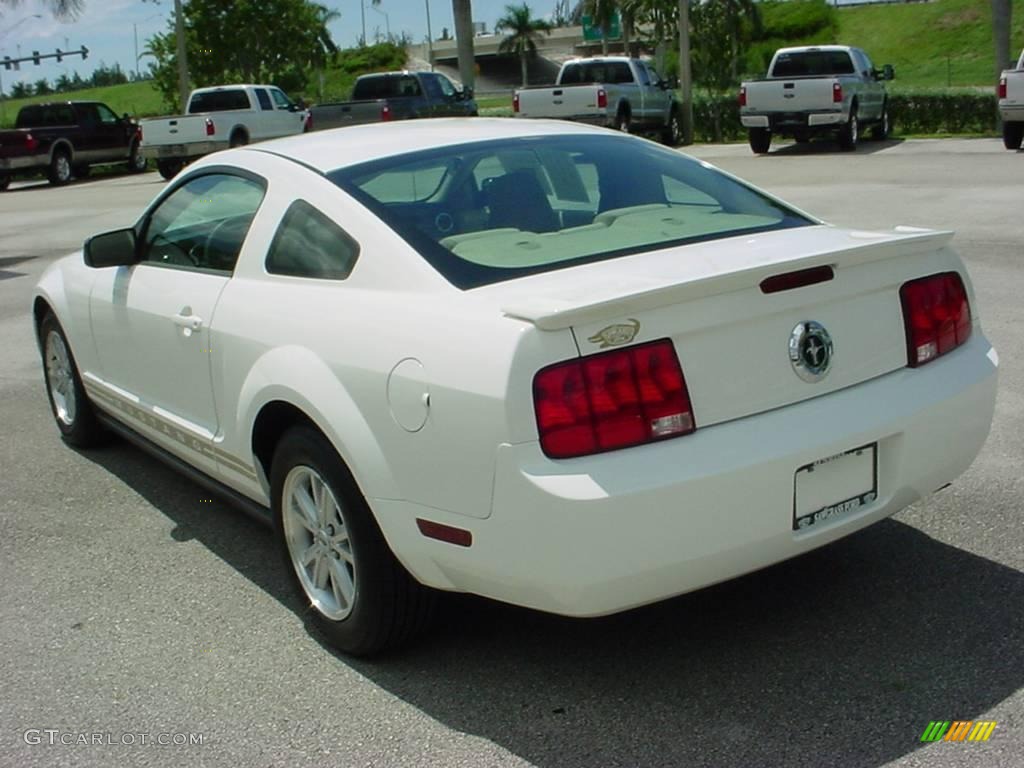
[{"x": 835, "y": 486}]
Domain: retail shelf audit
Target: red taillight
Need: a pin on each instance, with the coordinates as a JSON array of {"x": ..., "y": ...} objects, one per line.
[
  {"x": 743, "y": 96},
  {"x": 442, "y": 532},
  {"x": 515, "y": 102},
  {"x": 31, "y": 142},
  {"x": 211, "y": 129},
  {"x": 612, "y": 400},
  {"x": 308, "y": 125},
  {"x": 937, "y": 316},
  {"x": 602, "y": 98},
  {"x": 837, "y": 93},
  {"x": 385, "y": 112},
  {"x": 138, "y": 133},
  {"x": 1002, "y": 87}
]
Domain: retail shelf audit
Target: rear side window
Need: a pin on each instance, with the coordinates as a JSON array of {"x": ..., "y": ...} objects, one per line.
[
  {"x": 219, "y": 101},
  {"x": 263, "y": 99},
  {"x": 309, "y": 244},
  {"x": 812, "y": 64},
  {"x": 39, "y": 117}
]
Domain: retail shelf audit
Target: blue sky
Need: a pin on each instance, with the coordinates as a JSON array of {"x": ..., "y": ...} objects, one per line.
[{"x": 105, "y": 28}]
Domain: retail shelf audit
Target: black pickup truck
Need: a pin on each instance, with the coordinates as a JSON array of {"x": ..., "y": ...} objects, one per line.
[
  {"x": 396, "y": 96},
  {"x": 64, "y": 139}
]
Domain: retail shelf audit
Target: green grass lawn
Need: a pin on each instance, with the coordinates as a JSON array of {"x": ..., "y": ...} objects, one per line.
[{"x": 139, "y": 99}]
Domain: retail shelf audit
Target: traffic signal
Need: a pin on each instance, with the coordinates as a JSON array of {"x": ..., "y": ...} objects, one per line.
[
  {"x": 84, "y": 52},
  {"x": 35, "y": 58},
  {"x": 60, "y": 56},
  {"x": 7, "y": 62}
]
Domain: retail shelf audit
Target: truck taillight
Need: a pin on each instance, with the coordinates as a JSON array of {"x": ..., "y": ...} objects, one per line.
[
  {"x": 138, "y": 133},
  {"x": 31, "y": 142},
  {"x": 385, "y": 112},
  {"x": 612, "y": 400},
  {"x": 211, "y": 129},
  {"x": 1002, "y": 87},
  {"x": 515, "y": 102},
  {"x": 937, "y": 316},
  {"x": 602, "y": 98},
  {"x": 308, "y": 125},
  {"x": 743, "y": 95},
  {"x": 837, "y": 93}
]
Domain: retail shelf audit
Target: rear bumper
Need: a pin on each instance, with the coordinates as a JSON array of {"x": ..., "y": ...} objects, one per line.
[
  {"x": 791, "y": 121},
  {"x": 181, "y": 151},
  {"x": 602, "y": 534},
  {"x": 13, "y": 164},
  {"x": 1013, "y": 113}
]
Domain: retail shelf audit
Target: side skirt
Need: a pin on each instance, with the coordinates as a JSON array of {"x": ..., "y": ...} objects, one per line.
[{"x": 233, "y": 497}]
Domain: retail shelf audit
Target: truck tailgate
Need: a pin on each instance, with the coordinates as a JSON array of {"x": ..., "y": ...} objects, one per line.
[
  {"x": 560, "y": 101},
  {"x": 180, "y": 129},
  {"x": 796, "y": 95}
]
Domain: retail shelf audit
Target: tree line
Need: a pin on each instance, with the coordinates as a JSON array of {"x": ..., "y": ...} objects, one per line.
[{"x": 101, "y": 76}]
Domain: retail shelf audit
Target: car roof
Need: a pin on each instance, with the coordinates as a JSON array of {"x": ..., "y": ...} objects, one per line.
[{"x": 341, "y": 147}]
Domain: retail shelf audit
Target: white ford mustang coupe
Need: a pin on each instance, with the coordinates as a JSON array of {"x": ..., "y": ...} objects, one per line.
[{"x": 550, "y": 364}]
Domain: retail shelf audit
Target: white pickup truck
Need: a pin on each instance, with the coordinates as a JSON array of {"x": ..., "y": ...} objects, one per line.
[
  {"x": 217, "y": 118},
  {"x": 813, "y": 90},
  {"x": 612, "y": 91},
  {"x": 1011, "y": 104}
]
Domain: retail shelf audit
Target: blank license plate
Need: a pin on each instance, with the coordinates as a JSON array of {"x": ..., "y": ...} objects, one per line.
[
  {"x": 171, "y": 150},
  {"x": 835, "y": 486}
]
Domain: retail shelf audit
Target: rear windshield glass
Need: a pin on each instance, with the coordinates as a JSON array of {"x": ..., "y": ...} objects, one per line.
[
  {"x": 219, "y": 101},
  {"x": 386, "y": 87},
  {"x": 812, "y": 63},
  {"x": 490, "y": 211},
  {"x": 38, "y": 117},
  {"x": 596, "y": 72}
]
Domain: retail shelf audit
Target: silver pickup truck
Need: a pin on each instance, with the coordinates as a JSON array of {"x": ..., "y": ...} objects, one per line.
[
  {"x": 1011, "y": 104},
  {"x": 613, "y": 91},
  {"x": 813, "y": 90}
]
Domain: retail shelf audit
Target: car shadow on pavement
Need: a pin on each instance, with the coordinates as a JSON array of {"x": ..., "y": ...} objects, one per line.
[
  {"x": 828, "y": 146},
  {"x": 839, "y": 657}
]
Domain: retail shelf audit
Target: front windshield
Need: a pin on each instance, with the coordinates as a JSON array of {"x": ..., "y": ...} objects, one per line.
[{"x": 490, "y": 211}]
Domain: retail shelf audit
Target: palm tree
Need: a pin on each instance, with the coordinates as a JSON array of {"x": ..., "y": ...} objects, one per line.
[
  {"x": 602, "y": 14},
  {"x": 62, "y": 9},
  {"x": 462, "y": 11},
  {"x": 523, "y": 33}
]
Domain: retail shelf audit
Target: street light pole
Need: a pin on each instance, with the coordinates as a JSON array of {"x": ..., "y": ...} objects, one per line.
[
  {"x": 430, "y": 37},
  {"x": 387, "y": 20},
  {"x": 362, "y": 13},
  {"x": 181, "y": 55}
]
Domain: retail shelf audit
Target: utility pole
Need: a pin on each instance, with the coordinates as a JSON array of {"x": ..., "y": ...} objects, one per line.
[
  {"x": 181, "y": 55},
  {"x": 430, "y": 37},
  {"x": 685, "y": 71}
]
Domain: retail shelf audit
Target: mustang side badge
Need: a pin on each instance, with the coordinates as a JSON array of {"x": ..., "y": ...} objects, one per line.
[{"x": 614, "y": 335}]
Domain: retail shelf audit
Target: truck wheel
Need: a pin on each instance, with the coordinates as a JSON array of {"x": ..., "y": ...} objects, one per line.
[
  {"x": 880, "y": 132},
  {"x": 760, "y": 140},
  {"x": 136, "y": 160},
  {"x": 352, "y": 586},
  {"x": 238, "y": 139},
  {"x": 1013, "y": 134},
  {"x": 672, "y": 134},
  {"x": 169, "y": 168},
  {"x": 60, "y": 168},
  {"x": 5, "y": 182},
  {"x": 622, "y": 121},
  {"x": 850, "y": 133}
]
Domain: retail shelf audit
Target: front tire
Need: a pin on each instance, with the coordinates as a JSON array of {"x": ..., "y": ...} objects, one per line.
[
  {"x": 169, "y": 168},
  {"x": 849, "y": 134},
  {"x": 672, "y": 134},
  {"x": 880, "y": 132},
  {"x": 622, "y": 121},
  {"x": 60, "y": 172},
  {"x": 1013, "y": 135},
  {"x": 760, "y": 140},
  {"x": 69, "y": 404},
  {"x": 359, "y": 595}
]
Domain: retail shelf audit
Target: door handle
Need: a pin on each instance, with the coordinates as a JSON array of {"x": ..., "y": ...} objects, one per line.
[{"x": 187, "y": 321}]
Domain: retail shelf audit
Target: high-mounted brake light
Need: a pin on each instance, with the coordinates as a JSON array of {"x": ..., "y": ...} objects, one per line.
[
  {"x": 837, "y": 93},
  {"x": 211, "y": 129},
  {"x": 385, "y": 112},
  {"x": 937, "y": 316},
  {"x": 743, "y": 95},
  {"x": 515, "y": 102},
  {"x": 612, "y": 400},
  {"x": 1002, "y": 87},
  {"x": 602, "y": 98}
]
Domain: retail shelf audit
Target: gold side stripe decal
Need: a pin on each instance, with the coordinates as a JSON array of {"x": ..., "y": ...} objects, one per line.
[{"x": 168, "y": 429}]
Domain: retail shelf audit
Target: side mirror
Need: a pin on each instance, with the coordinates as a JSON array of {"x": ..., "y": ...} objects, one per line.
[
  {"x": 888, "y": 73},
  {"x": 294, "y": 108},
  {"x": 126, "y": 117},
  {"x": 467, "y": 93},
  {"x": 111, "y": 249},
  {"x": 671, "y": 82}
]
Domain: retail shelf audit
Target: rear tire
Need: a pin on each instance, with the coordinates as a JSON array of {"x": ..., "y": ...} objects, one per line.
[
  {"x": 760, "y": 140},
  {"x": 69, "y": 403},
  {"x": 238, "y": 139},
  {"x": 359, "y": 595},
  {"x": 5, "y": 182},
  {"x": 60, "y": 172},
  {"x": 1013, "y": 135},
  {"x": 849, "y": 134},
  {"x": 137, "y": 162},
  {"x": 169, "y": 168}
]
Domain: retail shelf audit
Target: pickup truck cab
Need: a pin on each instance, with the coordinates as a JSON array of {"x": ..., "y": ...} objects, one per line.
[
  {"x": 217, "y": 118},
  {"x": 1011, "y": 104},
  {"x": 813, "y": 90},
  {"x": 386, "y": 96},
  {"x": 617, "y": 92},
  {"x": 65, "y": 139}
]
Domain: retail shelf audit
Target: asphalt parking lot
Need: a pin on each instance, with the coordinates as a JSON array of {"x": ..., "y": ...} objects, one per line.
[{"x": 128, "y": 606}]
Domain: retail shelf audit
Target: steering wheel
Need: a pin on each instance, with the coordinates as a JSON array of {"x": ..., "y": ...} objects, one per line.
[
  {"x": 189, "y": 255},
  {"x": 222, "y": 227}
]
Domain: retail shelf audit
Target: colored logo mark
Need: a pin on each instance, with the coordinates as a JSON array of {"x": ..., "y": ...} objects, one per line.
[{"x": 958, "y": 730}]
